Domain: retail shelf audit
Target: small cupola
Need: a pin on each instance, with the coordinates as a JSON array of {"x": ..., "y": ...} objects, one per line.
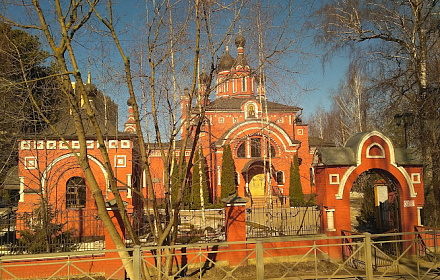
[
  {"x": 240, "y": 42},
  {"x": 226, "y": 61},
  {"x": 130, "y": 124}
]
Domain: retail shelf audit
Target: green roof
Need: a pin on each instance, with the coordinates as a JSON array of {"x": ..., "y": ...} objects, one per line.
[{"x": 334, "y": 156}]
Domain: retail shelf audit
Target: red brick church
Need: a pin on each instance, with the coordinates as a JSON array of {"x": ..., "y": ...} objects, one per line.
[{"x": 264, "y": 137}]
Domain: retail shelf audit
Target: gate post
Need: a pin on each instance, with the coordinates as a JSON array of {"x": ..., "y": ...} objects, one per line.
[
  {"x": 235, "y": 211},
  {"x": 137, "y": 262},
  {"x": 259, "y": 259},
  {"x": 368, "y": 261}
]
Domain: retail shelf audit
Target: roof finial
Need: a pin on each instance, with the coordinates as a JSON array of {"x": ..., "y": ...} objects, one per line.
[
  {"x": 240, "y": 41},
  {"x": 89, "y": 77}
]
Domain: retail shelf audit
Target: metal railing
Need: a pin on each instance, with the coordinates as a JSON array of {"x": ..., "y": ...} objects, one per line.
[
  {"x": 61, "y": 231},
  {"x": 194, "y": 226},
  {"x": 429, "y": 239},
  {"x": 384, "y": 245},
  {"x": 313, "y": 257},
  {"x": 282, "y": 221}
]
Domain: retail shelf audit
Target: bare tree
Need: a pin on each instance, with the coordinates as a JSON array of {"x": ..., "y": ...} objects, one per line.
[
  {"x": 351, "y": 100},
  {"x": 401, "y": 37},
  {"x": 172, "y": 49}
]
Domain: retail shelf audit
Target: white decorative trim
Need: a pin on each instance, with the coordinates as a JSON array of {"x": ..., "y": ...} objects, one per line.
[
  {"x": 120, "y": 161},
  {"x": 113, "y": 144},
  {"x": 125, "y": 144},
  {"x": 300, "y": 131},
  {"x": 62, "y": 146},
  {"x": 415, "y": 178},
  {"x": 219, "y": 170},
  {"x": 129, "y": 190},
  {"x": 375, "y": 133},
  {"x": 30, "y": 162},
  {"x": 90, "y": 144},
  {"x": 380, "y": 147},
  {"x": 419, "y": 215},
  {"x": 275, "y": 130},
  {"x": 333, "y": 179},
  {"x": 221, "y": 120},
  {"x": 359, "y": 161},
  {"x": 60, "y": 158},
  {"x": 51, "y": 145},
  {"x": 330, "y": 219},
  {"x": 21, "y": 178},
  {"x": 40, "y": 145},
  {"x": 238, "y": 177},
  {"x": 25, "y": 144},
  {"x": 75, "y": 145}
]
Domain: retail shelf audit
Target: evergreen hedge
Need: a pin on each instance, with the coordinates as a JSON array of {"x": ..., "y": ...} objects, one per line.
[{"x": 228, "y": 186}]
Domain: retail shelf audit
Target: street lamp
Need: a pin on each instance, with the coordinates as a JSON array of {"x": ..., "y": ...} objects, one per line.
[{"x": 406, "y": 119}]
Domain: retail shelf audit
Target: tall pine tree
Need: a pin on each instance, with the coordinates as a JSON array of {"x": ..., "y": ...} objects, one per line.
[
  {"x": 195, "y": 188},
  {"x": 228, "y": 184},
  {"x": 295, "y": 189}
]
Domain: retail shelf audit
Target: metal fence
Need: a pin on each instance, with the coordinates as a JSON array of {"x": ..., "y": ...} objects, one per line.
[
  {"x": 59, "y": 231},
  {"x": 283, "y": 221},
  {"x": 385, "y": 246},
  {"x": 429, "y": 239},
  {"x": 194, "y": 226},
  {"x": 311, "y": 257}
]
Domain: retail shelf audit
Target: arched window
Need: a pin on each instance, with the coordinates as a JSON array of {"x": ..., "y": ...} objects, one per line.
[
  {"x": 280, "y": 177},
  {"x": 255, "y": 147},
  {"x": 241, "y": 151},
  {"x": 76, "y": 193},
  {"x": 272, "y": 150},
  {"x": 243, "y": 84}
]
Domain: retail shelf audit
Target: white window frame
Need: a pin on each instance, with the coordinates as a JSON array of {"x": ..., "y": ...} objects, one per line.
[
  {"x": 244, "y": 84},
  {"x": 27, "y": 160},
  {"x": 333, "y": 179},
  {"x": 120, "y": 157}
]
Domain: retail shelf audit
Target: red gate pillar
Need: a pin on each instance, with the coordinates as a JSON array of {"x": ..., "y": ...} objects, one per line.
[{"x": 235, "y": 209}]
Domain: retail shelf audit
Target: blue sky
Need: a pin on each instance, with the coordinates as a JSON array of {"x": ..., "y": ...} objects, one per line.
[
  {"x": 319, "y": 80},
  {"x": 324, "y": 81}
]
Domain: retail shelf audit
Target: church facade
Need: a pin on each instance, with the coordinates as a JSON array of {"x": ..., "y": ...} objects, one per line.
[{"x": 264, "y": 138}]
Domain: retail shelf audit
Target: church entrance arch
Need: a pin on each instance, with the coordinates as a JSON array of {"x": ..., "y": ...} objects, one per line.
[
  {"x": 257, "y": 186},
  {"x": 256, "y": 172},
  {"x": 374, "y": 203},
  {"x": 398, "y": 181}
]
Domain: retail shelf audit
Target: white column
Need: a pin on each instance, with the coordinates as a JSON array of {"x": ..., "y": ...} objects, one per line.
[
  {"x": 330, "y": 219},
  {"x": 21, "y": 189},
  {"x": 129, "y": 190},
  {"x": 219, "y": 177},
  {"x": 419, "y": 216}
]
